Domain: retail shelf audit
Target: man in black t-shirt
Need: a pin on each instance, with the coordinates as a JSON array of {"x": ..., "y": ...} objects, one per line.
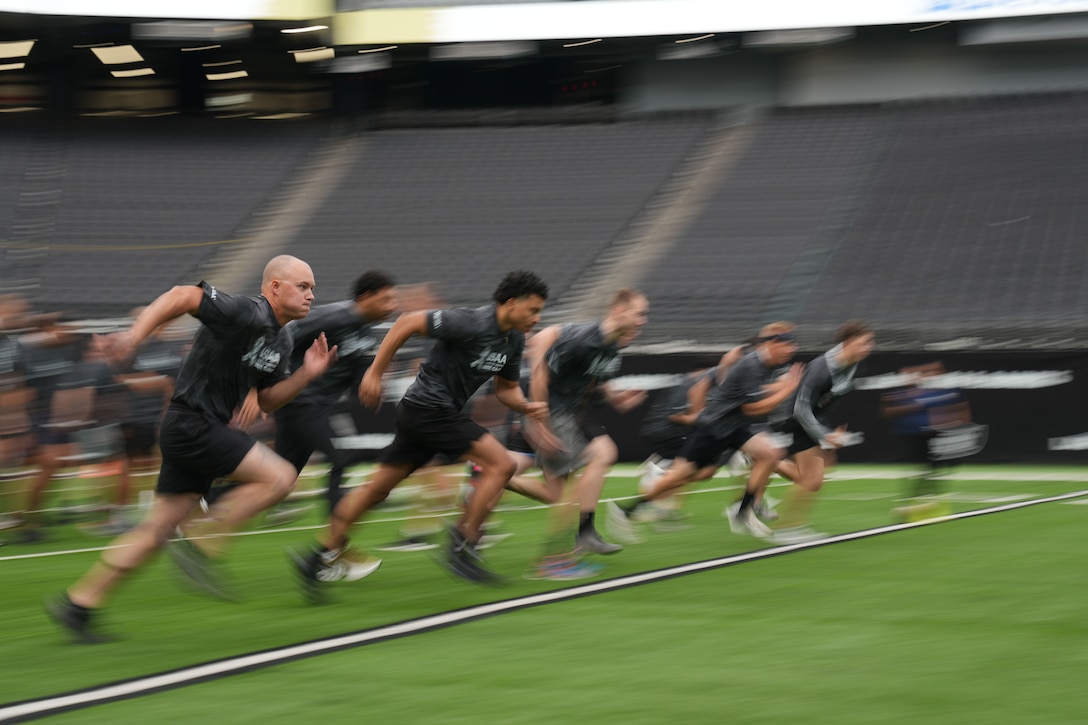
[
  {"x": 572, "y": 367},
  {"x": 749, "y": 392},
  {"x": 472, "y": 346},
  {"x": 302, "y": 426},
  {"x": 240, "y": 345}
]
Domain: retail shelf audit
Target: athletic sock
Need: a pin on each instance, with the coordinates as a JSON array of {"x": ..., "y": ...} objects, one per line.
[
  {"x": 746, "y": 502},
  {"x": 585, "y": 522}
]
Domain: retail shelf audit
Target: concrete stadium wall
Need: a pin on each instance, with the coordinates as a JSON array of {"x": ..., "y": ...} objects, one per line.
[{"x": 857, "y": 72}]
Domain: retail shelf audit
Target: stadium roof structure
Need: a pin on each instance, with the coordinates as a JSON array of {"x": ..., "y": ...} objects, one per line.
[{"x": 362, "y": 22}]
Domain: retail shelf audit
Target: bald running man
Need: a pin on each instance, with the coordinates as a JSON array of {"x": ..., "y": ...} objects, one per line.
[{"x": 241, "y": 344}]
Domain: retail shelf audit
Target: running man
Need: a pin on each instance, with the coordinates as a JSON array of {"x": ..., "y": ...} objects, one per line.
[
  {"x": 667, "y": 426},
  {"x": 240, "y": 344},
  {"x": 808, "y": 412},
  {"x": 572, "y": 365},
  {"x": 472, "y": 345},
  {"x": 741, "y": 401},
  {"x": 302, "y": 426}
]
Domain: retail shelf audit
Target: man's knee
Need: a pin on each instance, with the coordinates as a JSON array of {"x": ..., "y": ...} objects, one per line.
[
  {"x": 506, "y": 466},
  {"x": 604, "y": 450},
  {"x": 284, "y": 478}
]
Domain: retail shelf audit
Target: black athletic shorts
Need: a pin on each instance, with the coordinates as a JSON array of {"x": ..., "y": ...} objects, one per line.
[
  {"x": 423, "y": 433},
  {"x": 139, "y": 438},
  {"x": 703, "y": 448},
  {"x": 668, "y": 446},
  {"x": 516, "y": 442},
  {"x": 196, "y": 450},
  {"x": 802, "y": 441}
]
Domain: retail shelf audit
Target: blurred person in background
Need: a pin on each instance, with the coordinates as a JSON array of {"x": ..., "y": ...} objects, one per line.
[
  {"x": 750, "y": 391},
  {"x": 806, "y": 417},
  {"x": 89, "y": 404},
  {"x": 15, "y": 396},
  {"x": 921, "y": 411},
  {"x": 148, "y": 380},
  {"x": 471, "y": 346},
  {"x": 50, "y": 354},
  {"x": 241, "y": 344},
  {"x": 571, "y": 367}
]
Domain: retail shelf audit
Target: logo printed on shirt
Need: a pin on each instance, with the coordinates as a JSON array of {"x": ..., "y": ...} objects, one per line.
[
  {"x": 262, "y": 356},
  {"x": 436, "y": 319},
  {"x": 603, "y": 366},
  {"x": 353, "y": 344},
  {"x": 489, "y": 362},
  {"x": 213, "y": 292}
]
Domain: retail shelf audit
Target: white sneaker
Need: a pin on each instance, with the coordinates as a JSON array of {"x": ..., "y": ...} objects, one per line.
[
  {"x": 765, "y": 509},
  {"x": 620, "y": 527},
  {"x": 651, "y": 472},
  {"x": 348, "y": 565},
  {"x": 648, "y": 513},
  {"x": 738, "y": 464},
  {"x": 730, "y": 513},
  {"x": 797, "y": 535},
  {"x": 746, "y": 523}
]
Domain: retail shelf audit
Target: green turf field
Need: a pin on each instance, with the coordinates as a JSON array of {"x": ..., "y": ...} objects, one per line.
[{"x": 955, "y": 621}]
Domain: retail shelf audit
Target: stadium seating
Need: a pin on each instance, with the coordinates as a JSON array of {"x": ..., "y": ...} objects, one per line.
[
  {"x": 462, "y": 206},
  {"x": 722, "y": 275},
  {"x": 931, "y": 219},
  {"x": 972, "y": 224},
  {"x": 141, "y": 204}
]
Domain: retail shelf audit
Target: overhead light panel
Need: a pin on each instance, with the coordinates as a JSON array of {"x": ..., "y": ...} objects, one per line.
[
  {"x": 134, "y": 73},
  {"x": 695, "y": 39},
  {"x": 379, "y": 50},
  {"x": 16, "y": 49},
  {"x": 580, "y": 43},
  {"x": 230, "y": 75},
  {"x": 200, "y": 47},
  {"x": 312, "y": 55},
  {"x": 12, "y": 66},
  {"x": 117, "y": 54}
]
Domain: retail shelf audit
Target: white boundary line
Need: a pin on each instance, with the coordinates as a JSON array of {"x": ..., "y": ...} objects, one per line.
[{"x": 190, "y": 675}]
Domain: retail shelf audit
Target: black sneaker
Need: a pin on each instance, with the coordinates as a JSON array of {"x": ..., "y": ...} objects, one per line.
[
  {"x": 307, "y": 565},
  {"x": 201, "y": 570},
  {"x": 77, "y": 621},
  {"x": 462, "y": 560}
]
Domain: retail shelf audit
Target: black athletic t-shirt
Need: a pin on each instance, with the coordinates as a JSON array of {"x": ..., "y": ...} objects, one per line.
[
  {"x": 356, "y": 341},
  {"x": 46, "y": 363},
  {"x": 239, "y": 346},
  {"x": 469, "y": 349},
  {"x": 578, "y": 361},
  {"x": 742, "y": 385},
  {"x": 669, "y": 402},
  {"x": 811, "y": 405}
]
